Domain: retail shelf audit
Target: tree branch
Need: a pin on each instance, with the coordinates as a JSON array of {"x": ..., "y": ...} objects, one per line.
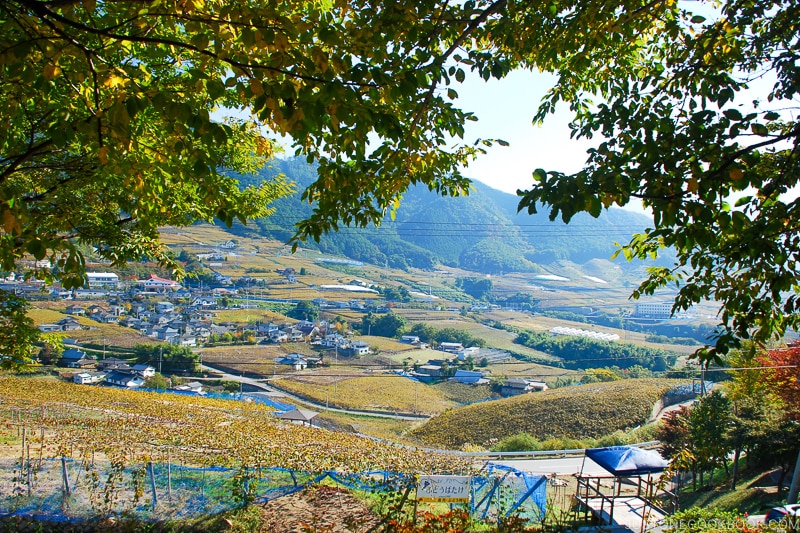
[{"x": 44, "y": 13}]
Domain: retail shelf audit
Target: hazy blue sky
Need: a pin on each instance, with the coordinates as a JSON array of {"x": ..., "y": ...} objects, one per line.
[{"x": 505, "y": 109}]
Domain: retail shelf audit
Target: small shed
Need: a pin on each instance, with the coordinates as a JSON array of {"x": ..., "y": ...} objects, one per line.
[{"x": 301, "y": 416}]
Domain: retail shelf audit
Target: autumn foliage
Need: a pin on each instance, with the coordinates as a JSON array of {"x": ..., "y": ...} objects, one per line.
[{"x": 784, "y": 371}]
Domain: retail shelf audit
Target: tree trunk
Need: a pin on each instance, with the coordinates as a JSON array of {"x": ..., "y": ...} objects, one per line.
[
  {"x": 795, "y": 488},
  {"x": 736, "y": 454}
]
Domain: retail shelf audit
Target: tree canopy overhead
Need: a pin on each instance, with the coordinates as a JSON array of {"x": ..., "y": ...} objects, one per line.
[
  {"x": 677, "y": 128},
  {"x": 111, "y": 130}
]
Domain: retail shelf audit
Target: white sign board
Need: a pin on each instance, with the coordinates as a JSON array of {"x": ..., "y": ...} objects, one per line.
[{"x": 450, "y": 489}]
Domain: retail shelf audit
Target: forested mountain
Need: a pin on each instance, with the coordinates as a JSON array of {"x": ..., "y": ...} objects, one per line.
[{"x": 481, "y": 232}]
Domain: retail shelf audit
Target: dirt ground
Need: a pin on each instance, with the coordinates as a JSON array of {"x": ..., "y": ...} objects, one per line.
[{"x": 317, "y": 509}]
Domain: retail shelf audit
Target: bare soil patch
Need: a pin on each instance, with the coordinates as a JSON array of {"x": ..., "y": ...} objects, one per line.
[{"x": 317, "y": 508}]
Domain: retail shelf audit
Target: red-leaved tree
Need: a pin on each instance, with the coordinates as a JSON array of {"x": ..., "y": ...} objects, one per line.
[{"x": 784, "y": 371}]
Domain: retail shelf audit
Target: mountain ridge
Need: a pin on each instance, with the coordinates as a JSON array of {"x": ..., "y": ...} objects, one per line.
[{"x": 482, "y": 231}]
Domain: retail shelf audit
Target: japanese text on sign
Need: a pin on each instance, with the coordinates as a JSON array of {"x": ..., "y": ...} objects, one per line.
[{"x": 443, "y": 489}]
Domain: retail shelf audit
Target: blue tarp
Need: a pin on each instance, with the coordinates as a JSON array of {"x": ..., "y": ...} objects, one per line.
[{"x": 628, "y": 460}]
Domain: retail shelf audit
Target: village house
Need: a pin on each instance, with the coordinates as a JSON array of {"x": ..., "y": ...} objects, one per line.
[
  {"x": 187, "y": 340},
  {"x": 155, "y": 283},
  {"x": 146, "y": 371},
  {"x": 358, "y": 348},
  {"x": 74, "y": 358},
  {"x": 278, "y": 336},
  {"x": 451, "y": 347},
  {"x": 194, "y": 387},
  {"x": 517, "y": 386},
  {"x": 469, "y": 377},
  {"x": 427, "y": 373},
  {"x": 295, "y": 360},
  {"x": 102, "y": 280},
  {"x": 113, "y": 363},
  {"x": 69, "y": 323},
  {"x": 76, "y": 310},
  {"x": 334, "y": 340},
  {"x": 89, "y": 378},
  {"x": 124, "y": 379},
  {"x": 106, "y": 318},
  {"x": 95, "y": 310},
  {"x": 165, "y": 307}
]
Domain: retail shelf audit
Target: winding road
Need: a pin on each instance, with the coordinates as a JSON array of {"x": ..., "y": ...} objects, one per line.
[{"x": 261, "y": 384}]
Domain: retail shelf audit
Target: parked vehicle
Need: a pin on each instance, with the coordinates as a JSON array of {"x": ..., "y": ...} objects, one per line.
[{"x": 778, "y": 514}]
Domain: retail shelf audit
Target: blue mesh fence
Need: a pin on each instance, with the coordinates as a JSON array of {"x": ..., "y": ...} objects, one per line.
[
  {"x": 72, "y": 491},
  {"x": 238, "y": 396}
]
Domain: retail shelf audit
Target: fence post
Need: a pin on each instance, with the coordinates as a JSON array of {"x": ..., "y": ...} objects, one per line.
[
  {"x": 22, "y": 453},
  {"x": 65, "y": 476},
  {"x": 169, "y": 474},
  {"x": 152, "y": 484},
  {"x": 29, "y": 469}
]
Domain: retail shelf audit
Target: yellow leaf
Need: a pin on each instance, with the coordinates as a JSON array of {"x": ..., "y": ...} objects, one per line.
[
  {"x": 51, "y": 71},
  {"x": 102, "y": 154},
  {"x": 9, "y": 221},
  {"x": 692, "y": 185},
  {"x": 736, "y": 174},
  {"x": 113, "y": 81},
  {"x": 256, "y": 87}
]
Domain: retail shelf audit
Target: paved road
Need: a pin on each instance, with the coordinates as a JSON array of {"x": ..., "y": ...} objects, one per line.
[
  {"x": 561, "y": 466},
  {"x": 262, "y": 385}
]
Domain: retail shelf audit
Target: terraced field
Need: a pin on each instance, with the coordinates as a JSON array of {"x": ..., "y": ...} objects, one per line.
[
  {"x": 585, "y": 411},
  {"x": 375, "y": 391}
]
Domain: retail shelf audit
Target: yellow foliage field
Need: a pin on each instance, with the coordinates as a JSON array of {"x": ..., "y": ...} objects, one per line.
[{"x": 591, "y": 410}]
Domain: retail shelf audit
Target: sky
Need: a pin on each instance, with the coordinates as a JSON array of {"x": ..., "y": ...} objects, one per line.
[{"x": 505, "y": 109}]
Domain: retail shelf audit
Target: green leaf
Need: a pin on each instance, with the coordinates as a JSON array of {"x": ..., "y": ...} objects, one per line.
[{"x": 733, "y": 114}]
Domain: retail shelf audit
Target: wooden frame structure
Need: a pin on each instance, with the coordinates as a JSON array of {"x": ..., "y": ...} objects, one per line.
[{"x": 603, "y": 499}]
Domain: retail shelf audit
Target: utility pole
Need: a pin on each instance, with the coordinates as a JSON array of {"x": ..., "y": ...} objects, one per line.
[{"x": 160, "y": 356}]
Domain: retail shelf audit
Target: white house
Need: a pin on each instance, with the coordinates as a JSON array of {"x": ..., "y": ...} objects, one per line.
[
  {"x": 451, "y": 347},
  {"x": 146, "y": 371},
  {"x": 359, "y": 348},
  {"x": 87, "y": 378},
  {"x": 333, "y": 340},
  {"x": 124, "y": 379},
  {"x": 102, "y": 280}
]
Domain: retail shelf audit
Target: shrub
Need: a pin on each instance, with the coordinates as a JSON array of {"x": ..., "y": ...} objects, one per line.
[{"x": 521, "y": 442}]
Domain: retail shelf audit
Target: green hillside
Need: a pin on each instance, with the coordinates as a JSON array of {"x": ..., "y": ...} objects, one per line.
[
  {"x": 480, "y": 232},
  {"x": 578, "y": 412}
]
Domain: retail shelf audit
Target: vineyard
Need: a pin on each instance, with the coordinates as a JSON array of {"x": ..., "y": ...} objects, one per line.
[
  {"x": 129, "y": 426},
  {"x": 574, "y": 412},
  {"x": 72, "y": 453},
  {"x": 349, "y": 389}
]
